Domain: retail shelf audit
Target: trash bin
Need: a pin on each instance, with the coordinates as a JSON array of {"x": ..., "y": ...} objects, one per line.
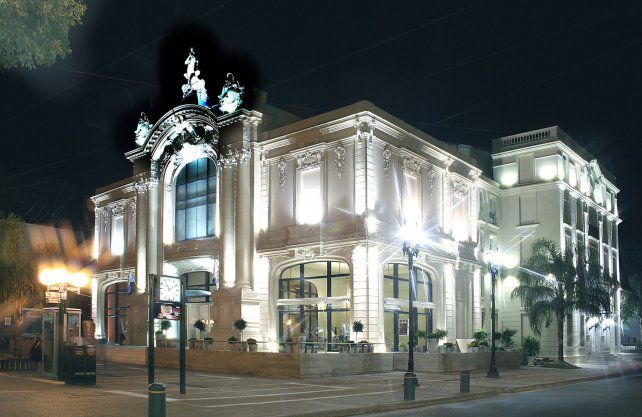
[{"x": 80, "y": 365}]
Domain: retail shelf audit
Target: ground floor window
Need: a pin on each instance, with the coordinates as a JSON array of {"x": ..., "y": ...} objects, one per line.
[
  {"x": 396, "y": 293},
  {"x": 397, "y": 326},
  {"x": 116, "y": 307},
  {"x": 313, "y": 303}
]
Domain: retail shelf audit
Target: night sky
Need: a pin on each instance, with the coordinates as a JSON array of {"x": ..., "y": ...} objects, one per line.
[{"x": 465, "y": 72}]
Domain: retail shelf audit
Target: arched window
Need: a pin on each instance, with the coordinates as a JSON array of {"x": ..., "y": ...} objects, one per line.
[
  {"x": 396, "y": 293},
  {"x": 313, "y": 302},
  {"x": 196, "y": 200}
]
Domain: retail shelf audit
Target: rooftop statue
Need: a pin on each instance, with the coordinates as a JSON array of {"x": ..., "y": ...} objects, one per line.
[
  {"x": 142, "y": 130},
  {"x": 194, "y": 84},
  {"x": 230, "y": 98}
]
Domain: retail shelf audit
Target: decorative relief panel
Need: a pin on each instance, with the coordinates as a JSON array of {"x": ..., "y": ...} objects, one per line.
[
  {"x": 430, "y": 178},
  {"x": 365, "y": 130},
  {"x": 132, "y": 210},
  {"x": 282, "y": 166},
  {"x": 339, "y": 159},
  {"x": 460, "y": 187},
  {"x": 386, "y": 161},
  {"x": 310, "y": 159},
  {"x": 305, "y": 253},
  {"x": 410, "y": 164}
]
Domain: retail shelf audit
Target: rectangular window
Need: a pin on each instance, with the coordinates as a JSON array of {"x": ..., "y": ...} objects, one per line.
[
  {"x": 411, "y": 200},
  {"x": 309, "y": 199},
  {"x": 118, "y": 235},
  {"x": 528, "y": 209}
]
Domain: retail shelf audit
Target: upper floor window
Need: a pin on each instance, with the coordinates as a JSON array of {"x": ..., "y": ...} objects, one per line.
[
  {"x": 309, "y": 199},
  {"x": 196, "y": 200}
]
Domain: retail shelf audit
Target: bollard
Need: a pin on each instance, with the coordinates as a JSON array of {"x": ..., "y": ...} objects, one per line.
[
  {"x": 464, "y": 382},
  {"x": 156, "y": 400}
]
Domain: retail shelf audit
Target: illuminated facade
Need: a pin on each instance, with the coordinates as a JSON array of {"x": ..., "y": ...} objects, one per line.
[{"x": 296, "y": 228}]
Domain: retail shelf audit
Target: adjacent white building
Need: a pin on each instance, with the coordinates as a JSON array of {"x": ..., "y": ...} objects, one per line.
[{"x": 296, "y": 228}]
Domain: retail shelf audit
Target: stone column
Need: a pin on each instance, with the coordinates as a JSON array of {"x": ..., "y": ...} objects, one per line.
[
  {"x": 226, "y": 212},
  {"x": 141, "y": 235},
  {"x": 153, "y": 215},
  {"x": 243, "y": 223}
]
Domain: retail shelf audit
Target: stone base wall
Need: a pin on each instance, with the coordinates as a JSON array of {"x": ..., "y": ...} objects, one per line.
[
  {"x": 455, "y": 362},
  {"x": 307, "y": 365}
]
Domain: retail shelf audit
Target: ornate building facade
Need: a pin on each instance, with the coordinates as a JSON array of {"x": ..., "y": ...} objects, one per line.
[{"x": 296, "y": 228}]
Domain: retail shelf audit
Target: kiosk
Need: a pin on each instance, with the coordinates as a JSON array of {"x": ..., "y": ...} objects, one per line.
[{"x": 51, "y": 344}]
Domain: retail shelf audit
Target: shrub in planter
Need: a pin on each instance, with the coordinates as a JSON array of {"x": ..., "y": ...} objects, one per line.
[
  {"x": 473, "y": 346},
  {"x": 531, "y": 348},
  {"x": 506, "y": 338},
  {"x": 252, "y": 345},
  {"x": 403, "y": 347},
  {"x": 240, "y": 325},
  {"x": 357, "y": 327},
  {"x": 233, "y": 341},
  {"x": 422, "y": 335},
  {"x": 434, "y": 338}
]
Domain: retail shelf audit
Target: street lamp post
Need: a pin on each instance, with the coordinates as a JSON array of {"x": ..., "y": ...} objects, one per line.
[
  {"x": 492, "y": 370},
  {"x": 410, "y": 379}
]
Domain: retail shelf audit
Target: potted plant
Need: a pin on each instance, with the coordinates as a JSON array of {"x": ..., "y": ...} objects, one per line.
[
  {"x": 365, "y": 346},
  {"x": 240, "y": 325},
  {"x": 200, "y": 325},
  {"x": 357, "y": 327},
  {"x": 403, "y": 347},
  {"x": 209, "y": 343},
  {"x": 434, "y": 338},
  {"x": 481, "y": 337},
  {"x": 531, "y": 348},
  {"x": 252, "y": 345},
  {"x": 165, "y": 325},
  {"x": 506, "y": 338},
  {"x": 160, "y": 335},
  {"x": 473, "y": 346},
  {"x": 233, "y": 341}
]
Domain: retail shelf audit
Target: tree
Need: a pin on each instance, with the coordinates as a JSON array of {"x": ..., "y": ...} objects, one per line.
[
  {"x": 240, "y": 325},
  {"x": 36, "y": 32},
  {"x": 18, "y": 264},
  {"x": 631, "y": 308},
  {"x": 357, "y": 327},
  {"x": 555, "y": 283}
]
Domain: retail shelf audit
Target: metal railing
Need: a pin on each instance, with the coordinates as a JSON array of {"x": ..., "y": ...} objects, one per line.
[{"x": 18, "y": 365}]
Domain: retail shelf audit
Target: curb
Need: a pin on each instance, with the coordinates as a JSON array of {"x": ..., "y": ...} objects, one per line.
[
  {"x": 399, "y": 405},
  {"x": 405, "y": 405}
]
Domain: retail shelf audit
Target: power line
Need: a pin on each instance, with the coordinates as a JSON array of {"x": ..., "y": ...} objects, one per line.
[
  {"x": 95, "y": 75},
  {"x": 377, "y": 44}
]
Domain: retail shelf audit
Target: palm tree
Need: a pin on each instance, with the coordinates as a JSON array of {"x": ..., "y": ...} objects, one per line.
[
  {"x": 555, "y": 283},
  {"x": 632, "y": 301}
]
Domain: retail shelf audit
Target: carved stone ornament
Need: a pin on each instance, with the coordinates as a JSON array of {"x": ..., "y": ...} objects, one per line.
[
  {"x": 310, "y": 159},
  {"x": 263, "y": 156},
  {"x": 105, "y": 220},
  {"x": 142, "y": 130},
  {"x": 460, "y": 188},
  {"x": 339, "y": 159},
  {"x": 235, "y": 156},
  {"x": 283, "y": 172},
  {"x": 141, "y": 186},
  {"x": 430, "y": 178},
  {"x": 411, "y": 165},
  {"x": 474, "y": 174},
  {"x": 117, "y": 208},
  {"x": 132, "y": 210},
  {"x": 386, "y": 161},
  {"x": 447, "y": 164},
  {"x": 365, "y": 129},
  {"x": 306, "y": 253}
]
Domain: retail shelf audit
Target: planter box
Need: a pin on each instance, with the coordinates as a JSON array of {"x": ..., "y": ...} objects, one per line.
[{"x": 432, "y": 345}]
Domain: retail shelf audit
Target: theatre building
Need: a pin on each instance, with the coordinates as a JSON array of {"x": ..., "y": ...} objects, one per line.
[{"x": 294, "y": 226}]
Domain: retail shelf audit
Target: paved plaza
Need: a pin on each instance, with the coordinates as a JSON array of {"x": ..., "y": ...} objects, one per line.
[{"x": 121, "y": 391}]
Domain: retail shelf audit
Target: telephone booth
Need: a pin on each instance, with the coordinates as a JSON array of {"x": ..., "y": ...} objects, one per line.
[{"x": 50, "y": 334}]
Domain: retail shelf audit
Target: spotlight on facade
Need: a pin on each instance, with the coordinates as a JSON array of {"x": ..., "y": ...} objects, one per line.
[{"x": 53, "y": 276}]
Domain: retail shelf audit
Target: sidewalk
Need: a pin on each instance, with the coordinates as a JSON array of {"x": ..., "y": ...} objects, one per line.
[{"x": 121, "y": 391}]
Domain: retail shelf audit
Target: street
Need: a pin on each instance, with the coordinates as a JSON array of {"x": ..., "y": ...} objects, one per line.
[{"x": 615, "y": 397}]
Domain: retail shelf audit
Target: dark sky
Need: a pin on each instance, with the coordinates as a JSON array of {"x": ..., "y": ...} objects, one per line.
[{"x": 464, "y": 72}]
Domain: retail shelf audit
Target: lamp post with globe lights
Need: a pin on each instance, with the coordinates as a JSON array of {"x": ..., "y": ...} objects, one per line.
[{"x": 412, "y": 238}]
